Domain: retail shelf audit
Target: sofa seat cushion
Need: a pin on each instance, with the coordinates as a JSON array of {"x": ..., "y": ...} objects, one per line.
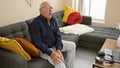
[
  {"x": 70, "y": 37},
  {"x": 39, "y": 63},
  {"x": 100, "y": 34},
  {"x": 96, "y": 39}
]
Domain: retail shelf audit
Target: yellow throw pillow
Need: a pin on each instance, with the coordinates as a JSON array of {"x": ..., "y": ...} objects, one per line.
[
  {"x": 28, "y": 47},
  {"x": 67, "y": 11},
  {"x": 14, "y": 46}
]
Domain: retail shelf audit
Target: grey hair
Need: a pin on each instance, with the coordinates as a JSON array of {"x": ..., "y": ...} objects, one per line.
[{"x": 42, "y": 4}]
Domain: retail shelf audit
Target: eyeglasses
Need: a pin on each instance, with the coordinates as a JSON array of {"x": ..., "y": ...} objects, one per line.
[{"x": 48, "y": 8}]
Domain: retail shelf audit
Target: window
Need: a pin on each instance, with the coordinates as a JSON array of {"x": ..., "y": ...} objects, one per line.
[{"x": 93, "y": 8}]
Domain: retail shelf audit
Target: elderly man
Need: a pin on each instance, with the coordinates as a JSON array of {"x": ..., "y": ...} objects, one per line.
[{"x": 46, "y": 36}]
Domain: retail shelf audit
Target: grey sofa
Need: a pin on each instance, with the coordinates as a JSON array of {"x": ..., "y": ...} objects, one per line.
[
  {"x": 91, "y": 40},
  {"x": 12, "y": 60}
]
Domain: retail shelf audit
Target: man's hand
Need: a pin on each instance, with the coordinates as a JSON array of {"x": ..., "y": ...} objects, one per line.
[
  {"x": 57, "y": 56},
  {"x": 60, "y": 53}
]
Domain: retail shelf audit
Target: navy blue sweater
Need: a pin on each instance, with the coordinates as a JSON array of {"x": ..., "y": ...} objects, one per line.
[{"x": 45, "y": 36}]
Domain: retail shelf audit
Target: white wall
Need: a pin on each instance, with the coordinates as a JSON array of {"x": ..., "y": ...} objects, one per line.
[
  {"x": 68, "y": 2},
  {"x": 112, "y": 13},
  {"x": 12, "y": 11}
]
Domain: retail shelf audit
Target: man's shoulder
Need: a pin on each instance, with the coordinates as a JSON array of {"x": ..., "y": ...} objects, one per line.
[
  {"x": 35, "y": 21},
  {"x": 37, "y": 18}
]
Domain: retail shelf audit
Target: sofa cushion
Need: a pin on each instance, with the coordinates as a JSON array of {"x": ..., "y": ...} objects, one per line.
[
  {"x": 19, "y": 29},
  {"x": 28, "y": 47},
  {"x": 74, "y": 18},
  {"x": 87, "y": 20},
  {"x": 58, "y": 16},
  {"x": 100, "y": 34},
  {"x": 67, "y": 11},
  {"x": 70, "y": 37},
  {"x": 14, "y": 46},
  {"x": 39, "y": 63},
  {"x": 96, "y": 39},
  {"x": 29, "y": 21}
]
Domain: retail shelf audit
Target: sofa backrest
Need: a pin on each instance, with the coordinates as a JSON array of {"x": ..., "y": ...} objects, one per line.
[
  {"x": 58, "y": 16},
  {"x": 29, "y": 21},
  {"x": 19, "y": 29},
  {"x": 87, "y": 20}
]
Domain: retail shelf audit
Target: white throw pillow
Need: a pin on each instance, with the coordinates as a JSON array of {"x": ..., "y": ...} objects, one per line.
[{"x": 76, "y": 29}]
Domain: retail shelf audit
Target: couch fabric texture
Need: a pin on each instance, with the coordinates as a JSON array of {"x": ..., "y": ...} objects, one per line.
[
  {"x": 12, "y": 60},
  {"x": 92, "y": 40}
]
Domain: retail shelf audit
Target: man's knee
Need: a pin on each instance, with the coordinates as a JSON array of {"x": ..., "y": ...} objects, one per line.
[
  {"x": 60, "y": 65},
  {"x": 73, "y": 45},
  {"x": 69, "y": 44}
]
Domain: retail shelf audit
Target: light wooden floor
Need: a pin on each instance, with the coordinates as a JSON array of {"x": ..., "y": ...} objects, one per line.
[{"x": 84, "y": 57}]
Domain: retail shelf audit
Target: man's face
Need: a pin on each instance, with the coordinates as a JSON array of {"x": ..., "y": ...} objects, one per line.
[{"x": 46, "y": 10}]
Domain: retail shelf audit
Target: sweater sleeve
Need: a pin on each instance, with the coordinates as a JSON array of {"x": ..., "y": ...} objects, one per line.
[{"x": 59, "y": 44}]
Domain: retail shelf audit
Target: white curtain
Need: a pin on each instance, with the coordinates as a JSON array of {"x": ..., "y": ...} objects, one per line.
[
  {"x": 75, "y": 4},
  {"x": 93, "y": 8},
  {"x": 78, "y": 5}
]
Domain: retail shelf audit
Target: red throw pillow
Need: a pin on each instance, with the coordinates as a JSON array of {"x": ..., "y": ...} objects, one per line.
[{"x": 74, "y": 18}]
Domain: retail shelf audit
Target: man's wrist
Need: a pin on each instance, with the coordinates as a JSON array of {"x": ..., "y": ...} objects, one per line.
[
  {"x": 58, "y": 50},
  {"x": 49, "y": 52}
]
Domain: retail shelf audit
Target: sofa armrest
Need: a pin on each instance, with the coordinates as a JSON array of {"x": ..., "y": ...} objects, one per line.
[
  {"x": 87, "y": 20},
  {"x": 11, "y": 60}
]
